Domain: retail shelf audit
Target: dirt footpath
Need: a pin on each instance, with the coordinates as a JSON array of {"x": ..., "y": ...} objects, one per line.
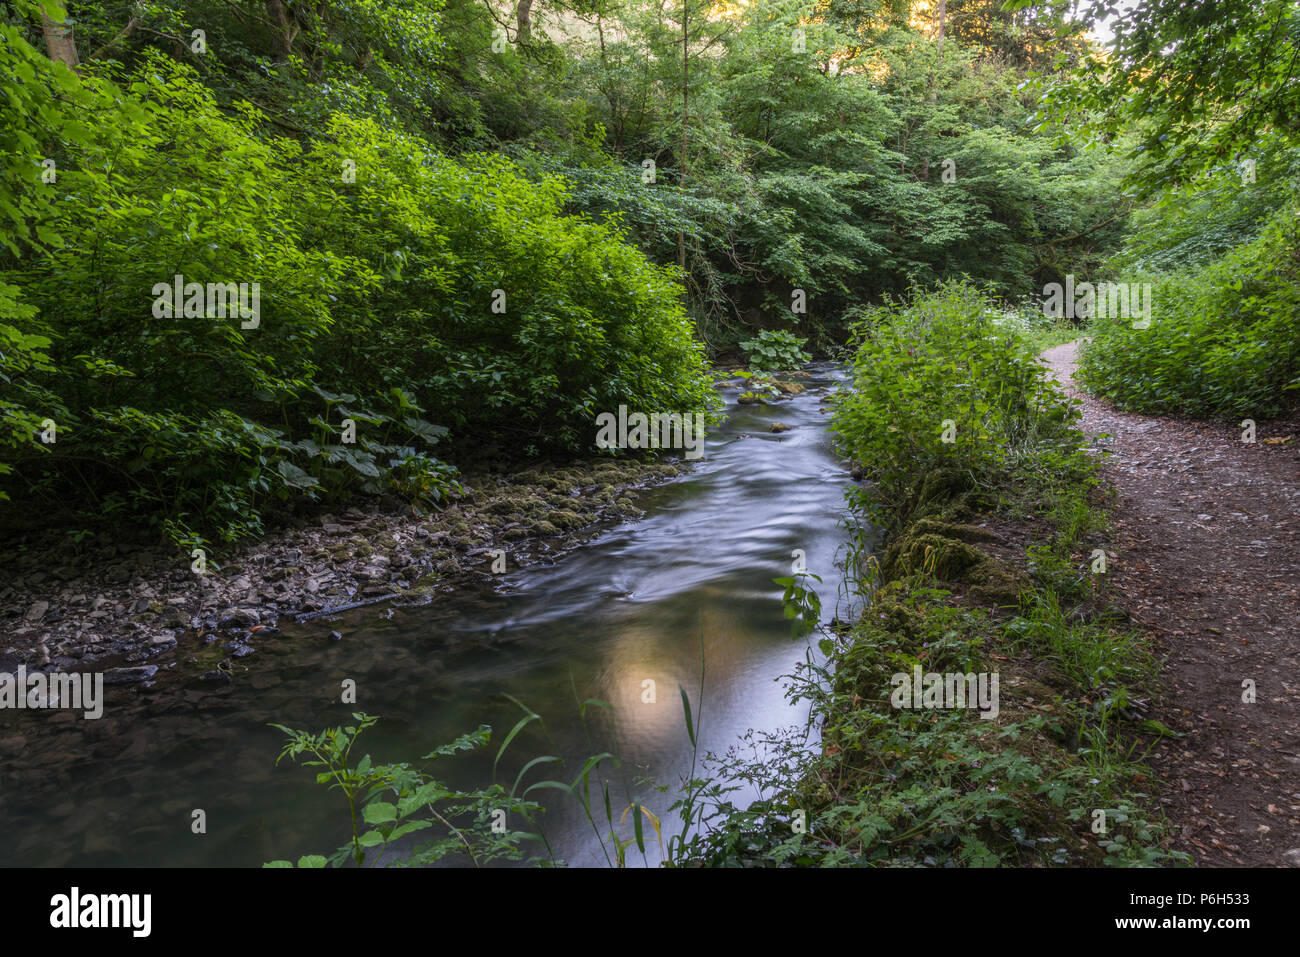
[{"x": 1207, "y": 532}]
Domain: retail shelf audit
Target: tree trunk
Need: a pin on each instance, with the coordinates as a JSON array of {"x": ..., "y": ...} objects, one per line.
[
  {"x": 934, "y": 92},
  {"x": 286, "y": 27},
  {"x": 524, "y": 17},
  {"x": 58, "y": 35}
]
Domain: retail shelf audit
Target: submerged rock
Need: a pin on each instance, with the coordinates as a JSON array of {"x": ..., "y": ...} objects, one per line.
[{"x": 126, "y": 676}]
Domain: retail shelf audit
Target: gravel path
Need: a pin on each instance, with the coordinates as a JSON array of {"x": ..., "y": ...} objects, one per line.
[{"x": 1206, "y": 531}]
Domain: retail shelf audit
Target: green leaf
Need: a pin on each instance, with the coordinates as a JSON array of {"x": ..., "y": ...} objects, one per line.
[
  {"x": 519, "y": 726},
  {"x": 686, "y": 707},
  {"x": 636, "y": 826},
  {"x": 293, "y": 476},
  {"x": 379, "y": 812},
  {"x": 544, "y": 759}
]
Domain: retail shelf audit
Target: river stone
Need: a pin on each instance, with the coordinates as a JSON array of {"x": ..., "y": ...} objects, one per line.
[
  {"x": 126, "y": 676},
  {"x": 239, "y": 618},
  {"x": 173, "y": 617},
  {"x": 37, "y": 611}
]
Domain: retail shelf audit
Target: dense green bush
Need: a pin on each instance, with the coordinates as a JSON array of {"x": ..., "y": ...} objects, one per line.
[
  {"x": 1224, "y": 341},
  {"x": 397, "y": 287},
  {"x": 944, "y": 395},
  {"x": 1194, "y": 225},
  {"x": 38, "y": 111},
  {"x": 513, "y": 322}
]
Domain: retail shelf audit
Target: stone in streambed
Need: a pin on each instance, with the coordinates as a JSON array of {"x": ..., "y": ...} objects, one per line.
[
  {"x": 239, "y": 618},
  {"x": 126, "y": 676}
]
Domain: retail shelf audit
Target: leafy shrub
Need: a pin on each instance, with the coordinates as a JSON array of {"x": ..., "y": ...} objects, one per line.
[
  {"x": 583, "y": 322},
  {"x": 1224, "y": 342},
  {"x": 43, "y": 106},
  {"x": 775, "y": 351},
  {"x": 377, "y": 306},
  {"x": 943, "y": 367}
]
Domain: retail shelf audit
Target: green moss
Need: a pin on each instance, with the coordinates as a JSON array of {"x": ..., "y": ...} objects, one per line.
[
  {"x": 963, "y": 533},
  {"x": 947, "y": 559},
  {"x": 933, "y": 548},
  {"x": 564, "y": 518},
  {"x": 996, "y": 583}
]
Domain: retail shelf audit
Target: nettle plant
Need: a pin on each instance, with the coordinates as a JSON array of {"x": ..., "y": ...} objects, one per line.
[
  {"x": 935, "y": 367},
  {"x": 773, "y": 351},
  {"x": 1224, "y": 340}
]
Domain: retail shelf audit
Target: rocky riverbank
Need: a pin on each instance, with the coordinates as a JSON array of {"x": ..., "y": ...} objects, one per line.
[{"x": 68, "y": 604}]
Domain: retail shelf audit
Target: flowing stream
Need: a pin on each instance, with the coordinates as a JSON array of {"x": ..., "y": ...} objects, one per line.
[{"x": 682, "y": 596}]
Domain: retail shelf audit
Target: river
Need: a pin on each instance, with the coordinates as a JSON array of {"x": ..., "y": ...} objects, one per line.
[{"x": 683, "y": 596}]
